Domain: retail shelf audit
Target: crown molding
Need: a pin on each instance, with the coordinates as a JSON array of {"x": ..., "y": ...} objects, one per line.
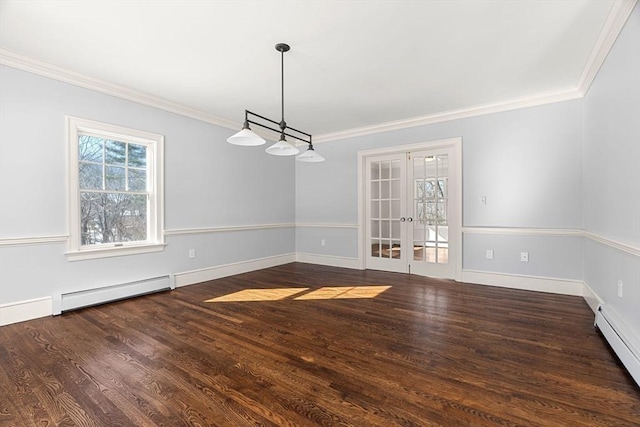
[
  {"x": 45, "y": 69},
  {"x": 618, "y": 16},
  {"x": 462, "y": 113}
]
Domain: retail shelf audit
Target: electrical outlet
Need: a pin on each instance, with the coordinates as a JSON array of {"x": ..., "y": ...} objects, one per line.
[
  {"x": 489, "y": 254},
  {"x": 524, "y": 256},
  {"x": 323, "y": 242},
  {"x": 192, "y": 253},
  {"x": 620, "y": 286}
]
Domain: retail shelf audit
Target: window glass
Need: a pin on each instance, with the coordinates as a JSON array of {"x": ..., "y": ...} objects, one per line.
[{"x": 116, "y": 200}]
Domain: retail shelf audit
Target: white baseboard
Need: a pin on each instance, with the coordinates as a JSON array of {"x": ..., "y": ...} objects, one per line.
[
  {"x": 529, "y": 283},
  {"x": 32, "y": 309},
  {"x": 220, "y": 271},
  {"x": 329, "y": 260},
  {"x": 25, "y": 310},
  {"x": 591, "y": 298}
]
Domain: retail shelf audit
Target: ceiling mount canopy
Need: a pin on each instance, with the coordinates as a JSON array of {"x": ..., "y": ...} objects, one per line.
[{"x": 247, "y": 137}]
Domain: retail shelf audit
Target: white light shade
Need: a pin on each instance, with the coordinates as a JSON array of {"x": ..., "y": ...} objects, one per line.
[
  {"x": 245, "y": 137},
  {"x": 310, "y": 156},
  {"x": 282, "y": 148}
]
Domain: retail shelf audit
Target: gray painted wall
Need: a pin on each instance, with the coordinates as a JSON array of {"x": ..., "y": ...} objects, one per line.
[
  {"x": 572, "y": 165},
  {"x": 568, "y": 165},
  {"x": 526, "y": 162},
  {"x": 208, "y": 183},
  {"x": 612, "y": 176}
]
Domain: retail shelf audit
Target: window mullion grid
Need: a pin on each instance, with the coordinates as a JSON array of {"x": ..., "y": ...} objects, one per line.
[
  {"x": 126, "y": 168},
  {"x": 151, "y": 189},
  {"x": 135, "y": 193},
  {"x": 435, "y": 201}
]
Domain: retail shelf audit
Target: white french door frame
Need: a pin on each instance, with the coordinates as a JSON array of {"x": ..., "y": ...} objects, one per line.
[{"x": 455, "y": 236}]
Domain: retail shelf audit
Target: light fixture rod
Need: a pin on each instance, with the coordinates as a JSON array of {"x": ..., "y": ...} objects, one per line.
[
  {"x": 282, "y": 133},
  {"x": 248, "y": 113},
  {"x": 282, "y": 148},
  {"x": 282, "y": 48},
  {"x": 283, "y": 123}
]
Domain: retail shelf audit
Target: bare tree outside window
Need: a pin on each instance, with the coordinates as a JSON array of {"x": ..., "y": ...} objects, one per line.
[{"x": 113, "y": 190}]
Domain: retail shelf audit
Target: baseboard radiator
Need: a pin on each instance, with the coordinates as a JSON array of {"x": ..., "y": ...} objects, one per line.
[
  {"x": 621, "y": 343},
  {"x": 74, "y": 300}
]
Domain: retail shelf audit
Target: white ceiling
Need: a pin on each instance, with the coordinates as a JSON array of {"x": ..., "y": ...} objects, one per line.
[{"x": 352, "y": 63}]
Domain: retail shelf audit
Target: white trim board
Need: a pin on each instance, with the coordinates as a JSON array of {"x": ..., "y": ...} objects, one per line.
[
  {"x": 528, "y": 283},
  {"x": 219, "y": 271},
  {"x": 632, "y": 250},
  {"x": 45, "y": 69},
  {"x": 34, "y": 240},
  {"x": 321, "y": 225},
  {"x": 25, "y": 310},
  {"x": 206, "y": 230},
  {"x": 328, "y": 260},
  {"x": 462, "y": 113},
  {"x": 54, "y": 239},
  {"x": 41, "y": 307},
  {"x": 523, "y": 231},
  {"x": 618, "y": 15},
  {"x": 592, "y": 299},
  {"x": 624, "y": 247}
]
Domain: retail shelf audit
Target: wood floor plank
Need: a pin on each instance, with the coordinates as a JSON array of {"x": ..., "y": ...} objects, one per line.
[{"x": 424, "y": 352}]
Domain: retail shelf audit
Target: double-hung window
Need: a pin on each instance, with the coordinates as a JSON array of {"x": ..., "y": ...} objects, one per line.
[{"x": 116, "y": 190}]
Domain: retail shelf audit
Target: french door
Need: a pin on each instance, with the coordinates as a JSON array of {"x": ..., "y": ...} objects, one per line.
[{"x": 411, "y": 201}]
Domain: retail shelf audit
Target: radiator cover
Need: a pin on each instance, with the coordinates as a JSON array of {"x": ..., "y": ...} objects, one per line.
[
  {"x": 66, "y": 301},
  {"x": 613, "y": 330}
]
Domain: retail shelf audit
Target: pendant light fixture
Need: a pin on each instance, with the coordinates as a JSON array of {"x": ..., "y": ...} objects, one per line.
[{"x": 247, "y": 137}]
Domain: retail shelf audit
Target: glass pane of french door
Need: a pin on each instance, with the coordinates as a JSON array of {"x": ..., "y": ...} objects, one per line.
[
  {"x": 386, "y": 178},
  {"x": 385, "y": 209},
  {"x": 410, "y": 201},
  {"x": 430, "y": 204}
]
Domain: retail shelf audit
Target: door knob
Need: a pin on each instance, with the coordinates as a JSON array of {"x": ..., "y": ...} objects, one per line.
[
  {"x": 402, "y": 219},
  {"x": 410, "y": 219}
]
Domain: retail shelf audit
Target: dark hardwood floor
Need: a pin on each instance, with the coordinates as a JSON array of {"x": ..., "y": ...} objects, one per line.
[{"x": 424, "y": 352}]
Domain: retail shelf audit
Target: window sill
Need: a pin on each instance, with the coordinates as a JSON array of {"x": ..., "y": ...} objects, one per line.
[{"x": 114, "y": 251}]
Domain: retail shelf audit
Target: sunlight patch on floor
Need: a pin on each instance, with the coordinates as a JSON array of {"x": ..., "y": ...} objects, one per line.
[
  {"x": 258, "y": 295},
  {"x": 328, "y": 292},
  {"x": 339, "y": 292}
]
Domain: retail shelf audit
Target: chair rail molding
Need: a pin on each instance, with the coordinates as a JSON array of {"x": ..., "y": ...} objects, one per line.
[
  {"x": 624, "y": 247},
  {"x": 33, "y": 240},
  {"x": 325, "y": 225},
  {"x": 223, "y": 229},
  {"x": 523, "y": 231}
]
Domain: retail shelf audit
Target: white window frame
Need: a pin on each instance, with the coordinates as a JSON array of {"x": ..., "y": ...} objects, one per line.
[{"x": 155, "y": 186}]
